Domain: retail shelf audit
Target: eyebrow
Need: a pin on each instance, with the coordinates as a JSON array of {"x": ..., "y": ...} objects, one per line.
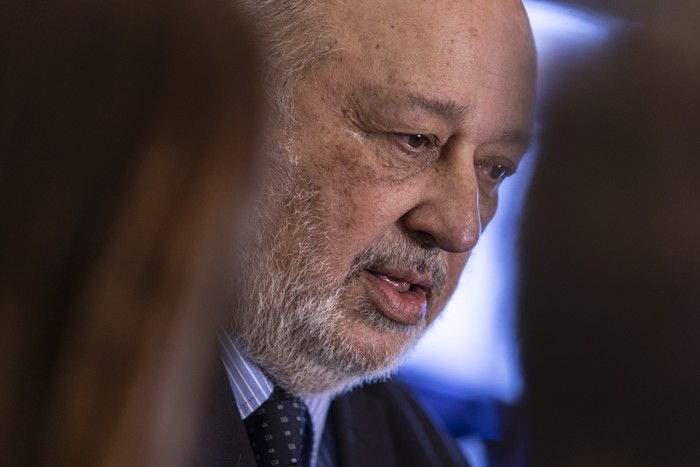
[
  {"x": 519, "y": 137},
  {"x": 455, "y": 112},
  {"x": 448, "y": 109}
]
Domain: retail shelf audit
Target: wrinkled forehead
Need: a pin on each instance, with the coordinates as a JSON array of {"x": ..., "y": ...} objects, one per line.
[
  {"x": 438, "y": 41},
  {"x": 478, "y": 54},
  {"x": 419, "y": 25}
]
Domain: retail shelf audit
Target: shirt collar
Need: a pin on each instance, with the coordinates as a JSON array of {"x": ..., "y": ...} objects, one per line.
[{"x": 251, "y": 387}]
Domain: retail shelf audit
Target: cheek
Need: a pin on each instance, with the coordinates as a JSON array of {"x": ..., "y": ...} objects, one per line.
[
  {"x": 339, "y": 160},
  {"x": 487, "y": 208},
  {"x": 360, "y": 203}
]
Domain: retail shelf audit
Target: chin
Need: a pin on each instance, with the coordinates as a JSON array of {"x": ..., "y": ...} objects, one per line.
[
  {"x": 335, "y": 360},
  {"x": 335, "y": 381},
  {"x": 363, "y": 349}
]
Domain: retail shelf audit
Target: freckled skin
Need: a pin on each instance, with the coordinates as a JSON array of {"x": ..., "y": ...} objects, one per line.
[{"x": 478, "y": 54}]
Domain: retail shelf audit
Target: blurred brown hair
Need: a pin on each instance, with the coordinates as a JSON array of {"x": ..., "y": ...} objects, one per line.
[
  {"x": 610, "y": 268},
  {"x": 126, "y": 129}
]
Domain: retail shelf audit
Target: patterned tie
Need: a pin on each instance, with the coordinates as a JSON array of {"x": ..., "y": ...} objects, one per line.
[{"x": 280, "y": 431}]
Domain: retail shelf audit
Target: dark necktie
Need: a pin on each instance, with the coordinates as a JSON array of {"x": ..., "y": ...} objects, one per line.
[{"x": 280, "y": 432}]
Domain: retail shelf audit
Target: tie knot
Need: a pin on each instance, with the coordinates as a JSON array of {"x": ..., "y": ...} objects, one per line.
[{"x": 280, "y": 431}]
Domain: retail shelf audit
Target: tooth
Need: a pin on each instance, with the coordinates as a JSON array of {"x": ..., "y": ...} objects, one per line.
[{"x": 400, "y": 286}]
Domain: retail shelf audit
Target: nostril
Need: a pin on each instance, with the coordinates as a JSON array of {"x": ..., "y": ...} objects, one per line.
[{"x": 424, "y": 239}]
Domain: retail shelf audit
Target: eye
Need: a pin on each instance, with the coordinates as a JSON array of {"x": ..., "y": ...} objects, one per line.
[
  {"x": 417, "y": 141},
  {"x": 409, "y": 152},
  {"x": 499, "y": 171},
  {"x": 493, "y": 172}
]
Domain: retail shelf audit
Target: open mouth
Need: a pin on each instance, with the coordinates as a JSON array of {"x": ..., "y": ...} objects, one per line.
[
  {"x": 401, "y": 296},
  {"x": 401, "y": 286}
]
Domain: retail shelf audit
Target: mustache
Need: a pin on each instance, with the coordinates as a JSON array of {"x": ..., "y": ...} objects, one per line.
[{"x": 401, "y": 252}]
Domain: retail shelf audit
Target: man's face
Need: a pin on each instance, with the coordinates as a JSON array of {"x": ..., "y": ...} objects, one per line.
[{"x": 383, "y": 184}]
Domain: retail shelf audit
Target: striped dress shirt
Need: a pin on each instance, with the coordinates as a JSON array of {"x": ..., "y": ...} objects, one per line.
[{"x": 251, "y": 388}]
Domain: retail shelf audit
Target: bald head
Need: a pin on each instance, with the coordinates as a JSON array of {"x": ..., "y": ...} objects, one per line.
[{"x": 299, "y": 34}]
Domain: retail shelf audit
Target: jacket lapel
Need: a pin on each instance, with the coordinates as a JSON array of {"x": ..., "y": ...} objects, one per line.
[
  {"x": 224, "y": 441},
  {"x": 361, "y": 431},
  {"x": 382, "y": 425}
]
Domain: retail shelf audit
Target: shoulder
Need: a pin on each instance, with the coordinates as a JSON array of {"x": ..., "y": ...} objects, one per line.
[{"x": 390, "y": 412}]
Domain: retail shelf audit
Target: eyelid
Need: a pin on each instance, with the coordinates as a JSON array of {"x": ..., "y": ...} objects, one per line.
[
  {"x": 399, "y": 154},
  {"x": 512, "y": 169},
  {"x": 497, "y": 160},
  {"x": 486, "y": 164},
  {"x": 433, "y": 140}
]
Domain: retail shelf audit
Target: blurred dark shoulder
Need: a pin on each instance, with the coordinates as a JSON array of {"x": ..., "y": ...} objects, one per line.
[{"x": 610, "y": 263}]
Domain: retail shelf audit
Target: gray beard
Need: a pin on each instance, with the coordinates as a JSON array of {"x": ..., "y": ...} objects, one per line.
[{"x": 287, "y": 308}]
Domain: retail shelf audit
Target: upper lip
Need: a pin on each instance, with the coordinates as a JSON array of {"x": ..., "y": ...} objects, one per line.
[{"x": 424, "y": 281}]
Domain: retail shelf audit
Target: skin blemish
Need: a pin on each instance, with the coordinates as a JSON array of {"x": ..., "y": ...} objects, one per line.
[{"x": 353, "y": 167}]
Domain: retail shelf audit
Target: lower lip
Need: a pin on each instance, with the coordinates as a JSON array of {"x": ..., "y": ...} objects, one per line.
[{"x": 406, "y": 308}]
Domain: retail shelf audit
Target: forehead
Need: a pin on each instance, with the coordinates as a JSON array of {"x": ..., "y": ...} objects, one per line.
[
  {"x": 419, "y": 29},
  {"x": 416, "y": 17},
  {"x": 475, "y": 53}
]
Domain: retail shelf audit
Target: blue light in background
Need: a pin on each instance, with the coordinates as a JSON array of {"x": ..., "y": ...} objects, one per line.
[{"x": 470, "y": 352}]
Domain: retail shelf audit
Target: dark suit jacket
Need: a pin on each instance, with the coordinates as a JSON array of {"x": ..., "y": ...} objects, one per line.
[{"x": 378, "y": 425}]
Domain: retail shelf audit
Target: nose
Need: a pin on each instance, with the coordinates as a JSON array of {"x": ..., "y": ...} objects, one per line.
[{"x": 448, "y": 214}]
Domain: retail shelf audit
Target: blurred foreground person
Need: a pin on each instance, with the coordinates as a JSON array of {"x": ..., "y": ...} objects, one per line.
[
  {"x": 610, "y": 279},
  {"x": 125, "y": 133}
]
